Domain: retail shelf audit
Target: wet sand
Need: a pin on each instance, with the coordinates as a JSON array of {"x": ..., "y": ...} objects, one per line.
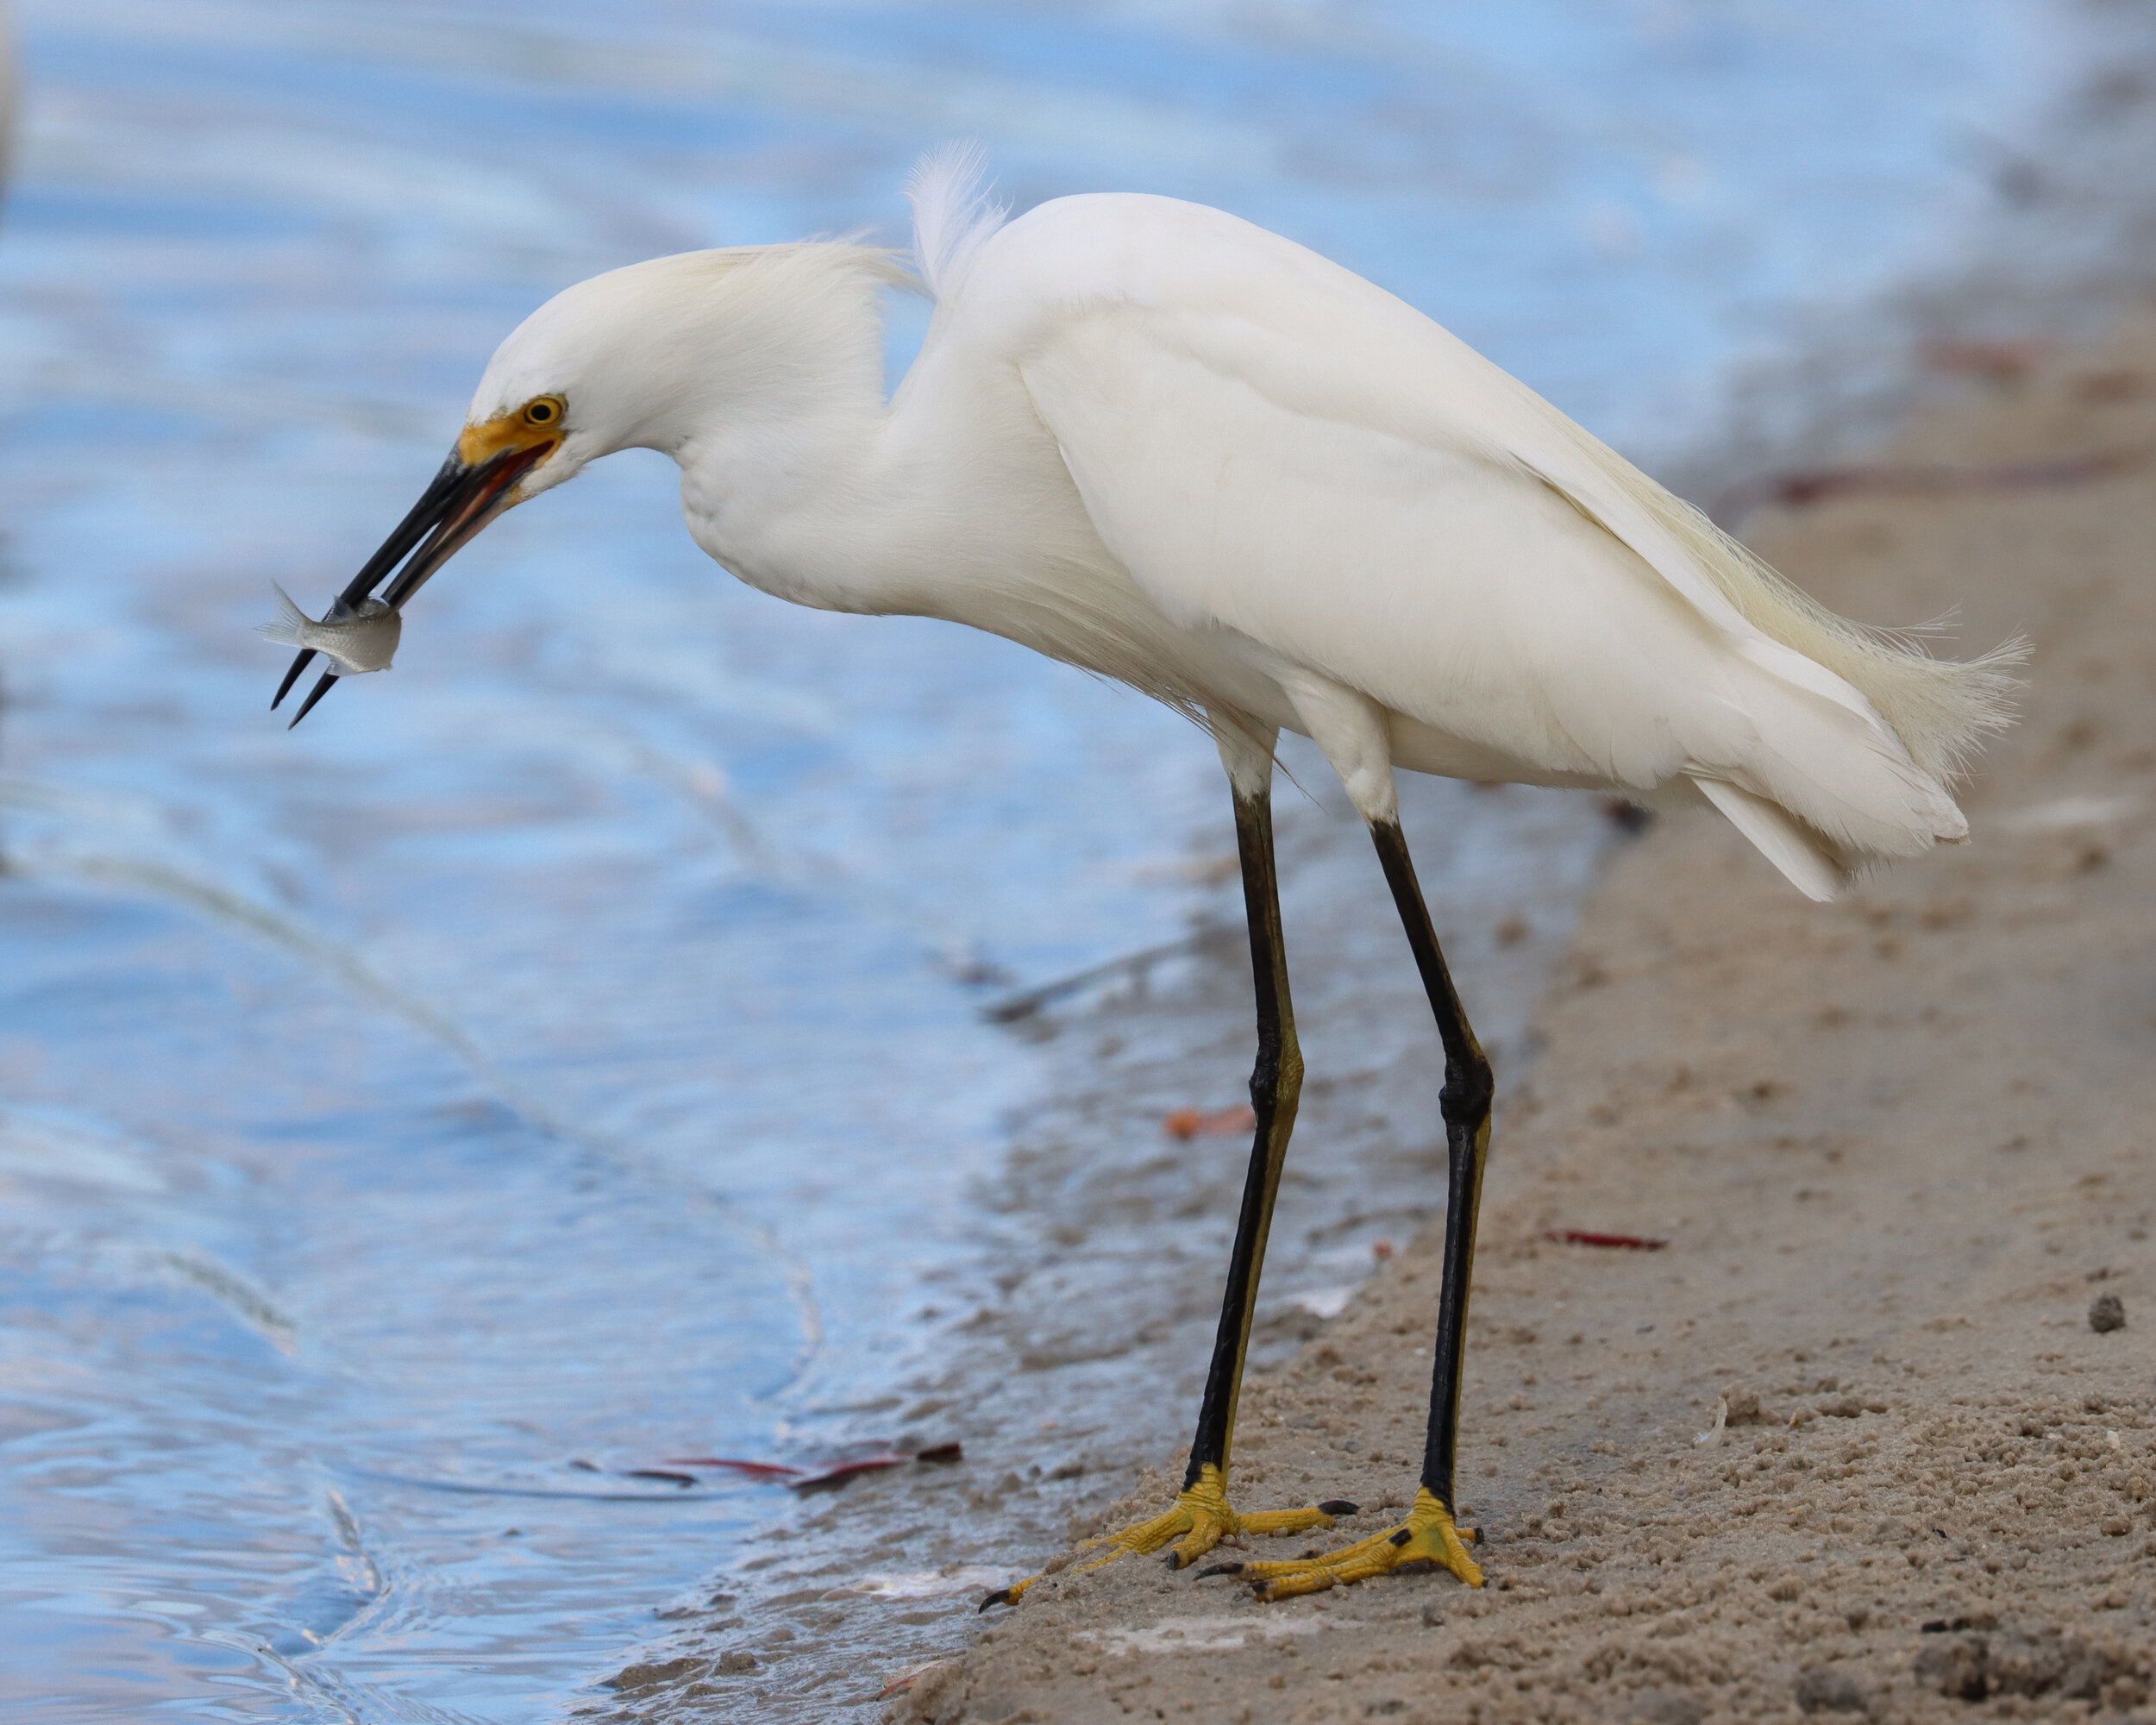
[{"x": 1897, "y": 1147}]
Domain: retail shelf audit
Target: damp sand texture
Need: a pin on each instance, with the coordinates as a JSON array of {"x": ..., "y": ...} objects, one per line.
[{"x": 1899, "y": 1148}]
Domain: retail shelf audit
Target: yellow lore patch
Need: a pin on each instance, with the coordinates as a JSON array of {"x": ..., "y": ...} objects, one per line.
[{"x": 539, "y": 421}]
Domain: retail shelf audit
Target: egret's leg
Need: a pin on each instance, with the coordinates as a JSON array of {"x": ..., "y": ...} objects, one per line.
[
  {"x": 1275, "y": 1089},
  {"x": 1428, "y": 1533},
  {"x": 1202, "y": 1516},
  {"x": 1464, "y": 1105}
]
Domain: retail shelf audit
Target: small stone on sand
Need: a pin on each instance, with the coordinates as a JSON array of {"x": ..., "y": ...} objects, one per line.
[{"x": 1824, "y": 1690}]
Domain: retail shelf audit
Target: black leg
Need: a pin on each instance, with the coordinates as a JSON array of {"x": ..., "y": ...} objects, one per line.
[
  {"x": 1201, "y": 1515},
  {"x": 1464, "y": 1104},
  {"x": 1276, "y": 1084}
]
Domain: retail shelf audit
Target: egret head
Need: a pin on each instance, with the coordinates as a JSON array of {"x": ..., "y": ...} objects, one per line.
[{"x": 645, "y": 357}]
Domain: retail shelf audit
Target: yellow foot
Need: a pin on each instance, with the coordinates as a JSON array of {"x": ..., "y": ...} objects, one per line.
[
  {"x": 1200, "y": 1519},
  {"x": 1427, "y": 1536}
]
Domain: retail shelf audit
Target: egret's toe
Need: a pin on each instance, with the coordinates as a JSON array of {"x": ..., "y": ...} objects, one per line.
[
  {"x": 1200, "y": 1519},
  {"x": 1428, "y": 1536}
]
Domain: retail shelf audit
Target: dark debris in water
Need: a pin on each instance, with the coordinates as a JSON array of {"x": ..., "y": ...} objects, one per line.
[{"x": 829, "y": 1478}]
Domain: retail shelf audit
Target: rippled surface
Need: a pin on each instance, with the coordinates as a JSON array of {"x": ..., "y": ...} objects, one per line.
[{"x": 567, "y": 1048}]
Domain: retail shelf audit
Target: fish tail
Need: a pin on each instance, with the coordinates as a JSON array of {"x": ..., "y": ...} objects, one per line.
[{"x": 289, "y": 621}]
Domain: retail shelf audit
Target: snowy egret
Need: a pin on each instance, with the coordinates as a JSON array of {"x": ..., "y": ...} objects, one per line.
[{"x": 1151, "y": 440}]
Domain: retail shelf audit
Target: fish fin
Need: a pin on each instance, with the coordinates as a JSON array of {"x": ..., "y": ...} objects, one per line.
[{"x": 289, "y": 621}]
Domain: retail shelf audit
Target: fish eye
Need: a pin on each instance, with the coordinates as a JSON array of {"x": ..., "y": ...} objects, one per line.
[{"x": 546, "y": 410}]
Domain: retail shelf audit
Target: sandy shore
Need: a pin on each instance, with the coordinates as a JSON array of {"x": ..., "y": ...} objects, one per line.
[{"x": 1897, "y": 1147}]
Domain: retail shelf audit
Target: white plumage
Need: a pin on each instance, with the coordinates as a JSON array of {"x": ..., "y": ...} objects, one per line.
[{"x": 1157, "y": 441}]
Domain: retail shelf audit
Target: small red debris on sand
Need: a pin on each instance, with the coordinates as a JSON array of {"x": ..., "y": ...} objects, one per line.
[
  {"x": 1197, "y": 1123},
  {"x": 905, "y": 1679},
  {"x": 1998, "y": 361},
  {"x": 1381, "y": 1250},
  {"x": 1581, "y": 1237},
  {"x": 2112, "y": 385},
  {"x": 1800, "y": 491}
]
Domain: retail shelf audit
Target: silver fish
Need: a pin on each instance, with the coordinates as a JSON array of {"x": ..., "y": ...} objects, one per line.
[{"x": 360, "y": 638}]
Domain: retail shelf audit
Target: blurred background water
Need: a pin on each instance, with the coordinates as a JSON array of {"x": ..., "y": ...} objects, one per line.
[{"x": 569, "y": 1049}]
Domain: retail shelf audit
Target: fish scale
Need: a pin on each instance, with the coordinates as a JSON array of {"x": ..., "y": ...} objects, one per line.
[{"x": 360, "y": 638}]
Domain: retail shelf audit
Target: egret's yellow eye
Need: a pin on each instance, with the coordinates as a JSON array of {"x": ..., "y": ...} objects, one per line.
[{"x": 546, "y": 410}]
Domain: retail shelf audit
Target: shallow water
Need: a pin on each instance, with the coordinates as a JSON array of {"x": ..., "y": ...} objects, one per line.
[{"x": 568, "y": 1048}]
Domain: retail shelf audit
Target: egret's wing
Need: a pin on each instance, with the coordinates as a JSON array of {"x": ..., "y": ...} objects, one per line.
[
  {"x": 1271, "y": 445},
  {"x": 1199, "y": 416}
]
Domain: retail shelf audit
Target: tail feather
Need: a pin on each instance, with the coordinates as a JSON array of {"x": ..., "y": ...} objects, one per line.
[
  {"x": 1843, "y": 774},
  {"x": 1939, "y": 709},
  {"x": 289, "y": 621},
  {"x": 1802, "y": 855}
]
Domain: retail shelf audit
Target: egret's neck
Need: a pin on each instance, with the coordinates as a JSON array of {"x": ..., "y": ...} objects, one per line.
[
  {"x": 781, "y": 481},
  {"x": 788, "y": 506}
]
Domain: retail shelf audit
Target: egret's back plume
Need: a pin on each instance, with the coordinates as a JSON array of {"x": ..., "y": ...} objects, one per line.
[{"x": 952, "y": 214}]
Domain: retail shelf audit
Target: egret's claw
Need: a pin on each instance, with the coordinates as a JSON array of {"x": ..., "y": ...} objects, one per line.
[
  {"x": 1428, "y": 1535},
  {"x": 1198, "y": 1520}
]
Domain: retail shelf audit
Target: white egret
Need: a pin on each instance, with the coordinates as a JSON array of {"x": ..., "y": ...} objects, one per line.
[{"x": 1146, "y": 438}]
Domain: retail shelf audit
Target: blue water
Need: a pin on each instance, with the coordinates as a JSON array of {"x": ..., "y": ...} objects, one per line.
[{"x": 565, "y": 1049}]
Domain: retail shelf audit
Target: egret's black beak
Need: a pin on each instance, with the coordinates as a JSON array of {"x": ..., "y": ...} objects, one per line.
[{"x": 462, "y": 499}]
